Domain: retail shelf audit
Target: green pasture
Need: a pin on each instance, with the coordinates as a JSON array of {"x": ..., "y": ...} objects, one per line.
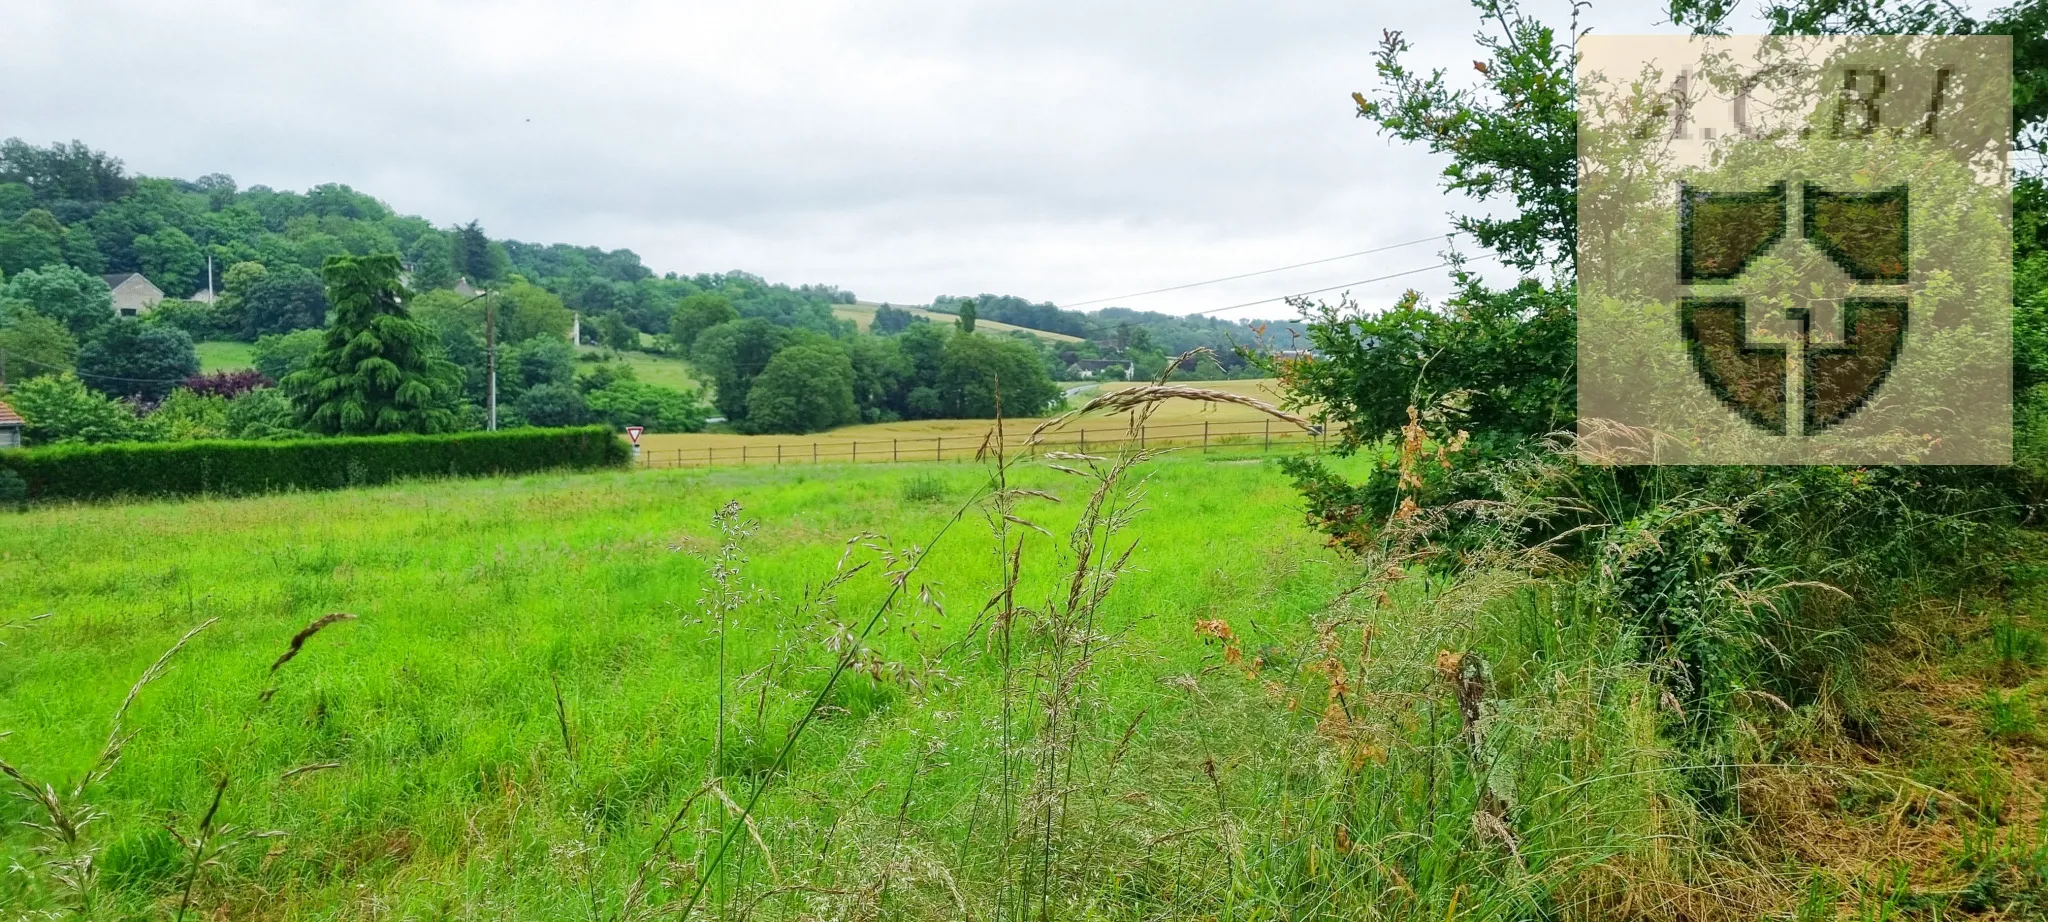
[
  {"x": 451, "y": 784},
  {"x": 539, "y": 712},
  {"x": 226, "y": 355}
]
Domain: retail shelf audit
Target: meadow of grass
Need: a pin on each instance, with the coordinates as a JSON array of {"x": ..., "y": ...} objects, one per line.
[
  {"x": 226, "y": 355},
  {"x": 451, "y": 784},
  {"x": 1105, "y": 690},
  {"x": 667, "y": 371}
]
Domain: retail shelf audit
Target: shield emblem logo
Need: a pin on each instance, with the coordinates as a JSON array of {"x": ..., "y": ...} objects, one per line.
[
  {"x": 1794, "y": 250},
  {"x": 1864, "y": 235}
]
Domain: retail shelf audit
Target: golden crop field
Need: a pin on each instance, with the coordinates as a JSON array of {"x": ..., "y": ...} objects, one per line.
[
  {"x": 863, "y": 314},
  {"x": 1179, "y": 422}
]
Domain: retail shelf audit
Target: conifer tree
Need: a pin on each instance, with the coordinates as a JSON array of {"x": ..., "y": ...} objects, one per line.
[{"x": 379, "y": 371}]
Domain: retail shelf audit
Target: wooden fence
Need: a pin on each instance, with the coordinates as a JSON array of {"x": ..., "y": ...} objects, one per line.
[{"x": 1243, "y": 436}]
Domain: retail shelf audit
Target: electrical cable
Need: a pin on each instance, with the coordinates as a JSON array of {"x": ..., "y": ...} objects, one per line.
[
  {"x": 1232, "y": 278},
  {"x": 23, "y": 358},
  {"x": 1380, "y": 278}
]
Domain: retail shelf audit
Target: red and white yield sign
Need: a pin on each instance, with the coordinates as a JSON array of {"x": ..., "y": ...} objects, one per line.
[{"x": 633, "y": 432}]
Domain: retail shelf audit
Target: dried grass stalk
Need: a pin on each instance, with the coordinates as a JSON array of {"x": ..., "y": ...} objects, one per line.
[{"x": 299, "y": 639}]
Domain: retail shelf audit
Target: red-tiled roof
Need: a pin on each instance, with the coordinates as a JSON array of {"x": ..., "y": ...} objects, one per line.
[{"x": 8, "y": 417}]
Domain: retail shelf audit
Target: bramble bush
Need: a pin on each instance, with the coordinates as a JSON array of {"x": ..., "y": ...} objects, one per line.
[{"x": 1734, "y": 584}]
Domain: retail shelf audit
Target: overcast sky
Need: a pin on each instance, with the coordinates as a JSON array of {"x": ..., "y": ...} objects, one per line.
[{"x": 1061, "y": 151}]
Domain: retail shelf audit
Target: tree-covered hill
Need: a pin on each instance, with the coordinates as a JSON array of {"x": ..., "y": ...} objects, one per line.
[
  {"x": 260, "y": 265},
  {"x": 247, "y": 264},
  {"x": 73, "y": 205}
]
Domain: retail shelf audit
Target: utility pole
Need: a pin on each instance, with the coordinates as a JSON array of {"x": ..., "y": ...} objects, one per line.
[{"x": 491, "y": 353}]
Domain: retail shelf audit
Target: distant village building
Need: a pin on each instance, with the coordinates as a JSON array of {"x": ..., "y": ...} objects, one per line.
[
  {"x": 205, "y": 296},
  {"x": 1088, "y": 369},
  {"x": 464, "y": 288},
  {"x": 133, "y": 294},
  {"x": 10, "y": 427}
]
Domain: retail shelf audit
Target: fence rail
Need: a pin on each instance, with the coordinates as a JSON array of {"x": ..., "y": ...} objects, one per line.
[{"x": 1257, "y": 436}]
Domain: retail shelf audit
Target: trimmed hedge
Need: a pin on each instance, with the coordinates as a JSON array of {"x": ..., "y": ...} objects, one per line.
[{"x": 148, "y": 469}]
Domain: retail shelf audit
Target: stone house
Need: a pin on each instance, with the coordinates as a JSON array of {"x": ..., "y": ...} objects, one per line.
[
  {"x": 10, "y": 427},
  {"x": 133, "y": 294},
  {"x": 1113, "y": 369}
]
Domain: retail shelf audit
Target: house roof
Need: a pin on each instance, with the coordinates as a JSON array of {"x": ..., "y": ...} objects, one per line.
[{"x": 10, "y": 418}]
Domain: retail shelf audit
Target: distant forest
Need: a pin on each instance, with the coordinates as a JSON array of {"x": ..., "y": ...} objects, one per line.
[{"x": 70, "y": 213}]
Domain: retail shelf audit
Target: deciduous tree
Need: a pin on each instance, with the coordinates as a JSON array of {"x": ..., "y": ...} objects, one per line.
[
  {"x": 277, "y": 300},
  {"x": 130, "y": 358},
  {"x": 280, "y": 354},
  {"x": 975, "y": 369},
  {"x": 697, "y": 313},
  {"x": 172, "y": 261},
  {"x": 553, "y": 405},
  {"x": 31, "y": 241},
  {"x": 732, "y": 354},
  {"x": 433, "y": 262},
  {"x": 59, "y": 409},
  {"x": 625, "y": 402},
  {"x": 805, "y": 388},
  {"x": 79, "y": 301},
  {"x": 35, "y": 345}
]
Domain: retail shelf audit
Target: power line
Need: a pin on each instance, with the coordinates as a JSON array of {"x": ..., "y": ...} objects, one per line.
[
  {"x": 23, "y": 358},
  {"x": 1381, "y": 278},
  {"x": 1232, "y": 278}
]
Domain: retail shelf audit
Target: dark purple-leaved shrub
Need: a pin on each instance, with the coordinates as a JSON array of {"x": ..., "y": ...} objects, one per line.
[{"x": 228, "y": 384}]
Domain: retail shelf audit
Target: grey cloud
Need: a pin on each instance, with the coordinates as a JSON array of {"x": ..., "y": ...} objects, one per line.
[{"x": 901, "y": 148}]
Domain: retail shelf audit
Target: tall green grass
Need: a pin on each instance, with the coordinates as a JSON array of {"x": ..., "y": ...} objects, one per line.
[
  {"x": 1118, "y": 688},
  {"x": 438, "y": 703}
]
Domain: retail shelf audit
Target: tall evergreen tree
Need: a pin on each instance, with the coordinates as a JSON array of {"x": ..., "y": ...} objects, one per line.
[
  {"x": 475, "y": 256},
  {"x": 379, "y": 370}
]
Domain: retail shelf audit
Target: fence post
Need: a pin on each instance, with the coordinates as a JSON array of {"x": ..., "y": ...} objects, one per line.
[
  {"x": 1205, "y": 436},
  {"x": 1084, "y": 440},
  {"x": 1269, "y": 435},
  {"x": 855, "y": 457},
  {"x": 778, "y": 454},
  {"x": 939, "y": 450},
  {"x": 893, "y": 456},
  {"x": 814, "y": 452},
  {"x": 743, "y": 452}
]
